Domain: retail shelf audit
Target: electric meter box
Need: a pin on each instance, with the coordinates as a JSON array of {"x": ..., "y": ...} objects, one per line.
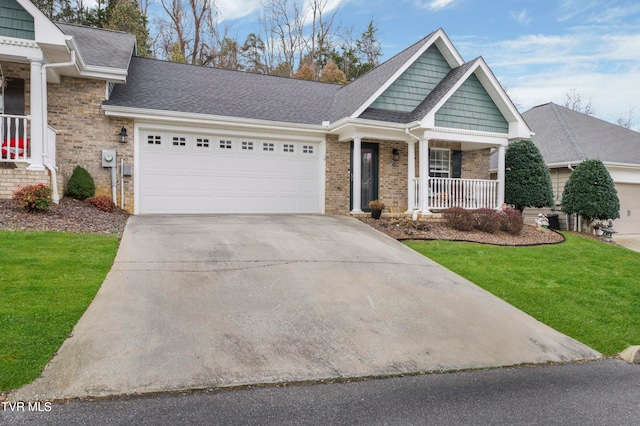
[{"x": 108, "y": 158}]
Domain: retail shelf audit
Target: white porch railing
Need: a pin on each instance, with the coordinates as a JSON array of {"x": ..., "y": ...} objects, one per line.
[
  {"x": 444, "y": 193},
  {"x": 14, "y": 137}
]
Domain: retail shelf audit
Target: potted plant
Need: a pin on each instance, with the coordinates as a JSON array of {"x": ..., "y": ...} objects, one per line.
[
  {"x": 376, "y": 208},
  {"x": 597, "y": 227}
]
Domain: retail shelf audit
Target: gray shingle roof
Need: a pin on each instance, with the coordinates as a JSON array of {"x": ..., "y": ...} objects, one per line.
[
  {"x": 170, "y": 86},
  {"x": 563, "y": 136},
  {"x": 102, "y": 48}
]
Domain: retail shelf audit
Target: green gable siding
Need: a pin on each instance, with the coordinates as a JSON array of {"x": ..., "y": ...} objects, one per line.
[
  {"x": 406, "y": 93},
  {"x": 15, "y": 21},
  {"x": 472, "y": 108}
]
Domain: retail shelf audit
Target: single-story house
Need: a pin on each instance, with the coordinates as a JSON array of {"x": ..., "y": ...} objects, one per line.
[
  {"x": 566, "y": 137},
  {"x": 417, "y": 132}
]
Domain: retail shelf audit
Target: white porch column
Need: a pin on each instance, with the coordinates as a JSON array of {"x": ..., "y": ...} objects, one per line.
[
  {"x": 411, "y": 175},
  {"x": 38, "y": 108},
  {"x": 424, "y": 176},
  {"x": 501, "y": 174},
  {"x": 356, "y": 175}
]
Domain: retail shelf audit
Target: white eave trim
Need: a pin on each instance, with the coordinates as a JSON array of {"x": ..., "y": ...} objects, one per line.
[
  {"x": 441, "y": 40},
  {"x": 209, "y": 120}
]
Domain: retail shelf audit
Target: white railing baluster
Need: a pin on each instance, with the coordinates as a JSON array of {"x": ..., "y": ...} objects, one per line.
[
  {"x": 14, "y": 138},
  {"x": 466, "y": 193}
]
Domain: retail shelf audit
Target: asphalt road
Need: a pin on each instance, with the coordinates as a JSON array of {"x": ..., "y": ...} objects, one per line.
[{"x": 595, "y": 393}]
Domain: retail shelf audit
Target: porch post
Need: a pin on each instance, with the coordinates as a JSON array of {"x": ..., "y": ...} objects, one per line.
[
  {"x": 356, "y": 175},
  {"x": 37, "y": 125},
  {"x": 411, "y": 175},
  {"x": 501, "y": 175},
  {"x": 424, "y": 175}
]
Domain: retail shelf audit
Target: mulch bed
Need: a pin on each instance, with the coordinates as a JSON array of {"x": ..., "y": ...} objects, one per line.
[
  {"x": 68, "y": 216},
  {"x": 407, "y": 229}
]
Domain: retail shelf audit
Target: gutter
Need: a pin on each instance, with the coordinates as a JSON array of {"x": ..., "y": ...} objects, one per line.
[{"x": 45, "y": 125}]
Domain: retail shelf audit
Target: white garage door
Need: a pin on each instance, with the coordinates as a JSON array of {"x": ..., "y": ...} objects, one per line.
[
  {"x": 193, "y": 173},
  {"x": 629, "y": 195}
]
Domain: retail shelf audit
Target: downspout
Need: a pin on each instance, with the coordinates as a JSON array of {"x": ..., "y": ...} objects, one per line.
[{"x": 45, "y": 125}]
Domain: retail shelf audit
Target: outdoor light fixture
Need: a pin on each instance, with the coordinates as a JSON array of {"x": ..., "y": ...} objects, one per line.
[
  {"x": 396, "y": 155},
  {"x": 123, "y": 135}
]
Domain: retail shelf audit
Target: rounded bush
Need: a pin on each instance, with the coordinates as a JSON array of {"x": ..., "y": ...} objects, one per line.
[
  {"x": 486, "y": 220},
  {"x": 81, "y": 185},
  {"x": 511, "y": 222},
  {"x": 458, "y": 218},
  {"x": 33, "y": 197},
  {"x": 103, "y": 202}
]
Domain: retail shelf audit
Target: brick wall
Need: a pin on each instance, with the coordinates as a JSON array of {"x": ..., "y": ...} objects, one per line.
[
  {"x": 74, "y": 108},
  {"x": 11, "y": 179},
  {"x": 337, "y": 176},
  {"x": 84, "y": 131},
  {"x": 475, "y": 164}
]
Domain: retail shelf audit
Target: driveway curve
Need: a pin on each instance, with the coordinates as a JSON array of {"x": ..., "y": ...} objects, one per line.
[{"x": 216, "y": 301}]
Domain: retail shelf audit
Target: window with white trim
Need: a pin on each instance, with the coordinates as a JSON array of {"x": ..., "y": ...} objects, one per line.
[
  {"x": 202, "y": 142},
  {"x": 268, "y": 146},
  {"x": 179, "y": 141},
  {"x": 154, "y": 139},
  {"x": 247, "y": 146},
  {"x": 307, "y": 149},
  {"x": 439, "y": 162},
  {"x": 225, "y": 144},
  {"x": 287, "y": 147}
]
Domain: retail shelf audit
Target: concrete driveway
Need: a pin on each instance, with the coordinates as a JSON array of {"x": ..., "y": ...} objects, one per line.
[
  {"x": 211, "y": 301},
  {"x": 630, "y": 241}
]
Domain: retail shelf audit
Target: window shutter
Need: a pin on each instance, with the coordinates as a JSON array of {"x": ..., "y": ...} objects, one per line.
[{"x": 456, "y": 165}]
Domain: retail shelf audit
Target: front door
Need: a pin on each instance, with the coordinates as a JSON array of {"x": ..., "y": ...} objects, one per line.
[{"x": 369, "y": 178}]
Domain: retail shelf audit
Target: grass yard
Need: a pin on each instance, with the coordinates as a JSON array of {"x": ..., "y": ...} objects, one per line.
[
  {"x": 583, "y": 288},
  {"x": 47, "y": 281}
]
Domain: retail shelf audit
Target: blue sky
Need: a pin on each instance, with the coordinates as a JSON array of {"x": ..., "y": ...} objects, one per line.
[{"x": 538, "y": 49}]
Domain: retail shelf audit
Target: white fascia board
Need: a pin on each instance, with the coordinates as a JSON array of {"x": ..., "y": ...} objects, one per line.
[
  {"x": 20, "y": 49},
  {"x": 467, "y": 136},
  {"x": 351, "y": 128},
  {"x": 442, "y": 42},
  {"x": 518, "y": 128},
  {"x": 208, "y": 120}
]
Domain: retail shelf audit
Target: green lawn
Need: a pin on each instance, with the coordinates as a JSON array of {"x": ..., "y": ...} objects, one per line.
[
  {"x": 583, "y": 288},
  {"x": 47, "y": 280}
]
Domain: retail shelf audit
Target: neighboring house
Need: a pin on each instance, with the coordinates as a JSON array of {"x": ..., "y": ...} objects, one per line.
[
  {"x": 566, "y": 137},
  {"x": 416, "y": 132}
]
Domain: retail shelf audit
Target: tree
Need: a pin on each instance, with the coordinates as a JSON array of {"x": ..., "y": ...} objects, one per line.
[
  {"x": 626, "y": 121},
  {"x": 591, "y": 193},
  {"x": 332, "y": 74},
  {"x": 573, "y": 100},
  {"x": 252, "y": 52},
  {"x": 125, "y": 15},
  {"x": 283, "y": 22},
  {"x": 527, "y": 178},
  {"x": 305, "y": 72},
  {"x": 368, "y": 47}
]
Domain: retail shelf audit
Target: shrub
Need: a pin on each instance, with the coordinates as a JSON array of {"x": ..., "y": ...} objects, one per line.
[
  {"x": 458, "y": 218},
  {"x": 591, "y": 193},
  {"x": 512, "y": 222},
  {"x": 486, "y": 220},
  {"x": 33, "y": 197},
  {"x": 527, "y": 178},
  {"x": 376, "y": 205},
  {"x": 102, "y": 202},
  {"x": 81, "y": 185}
]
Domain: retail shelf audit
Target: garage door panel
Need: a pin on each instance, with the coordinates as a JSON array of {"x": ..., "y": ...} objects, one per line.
[
  {"x": 629, "y": 221},
  {"x": 195, "y": 179}
]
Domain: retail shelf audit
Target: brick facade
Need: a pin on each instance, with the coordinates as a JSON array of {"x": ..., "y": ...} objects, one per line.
[
  {"x": 75, "y": 112},
  {"x": 83, "y": 131},
  {"x": 11, "y": 179},
  {"x": 338, "y": 162}
]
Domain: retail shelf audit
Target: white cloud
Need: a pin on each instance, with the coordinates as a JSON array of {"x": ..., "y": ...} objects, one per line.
[
  {"x": 521, "y": 17},
  {"x": 235, "y": 9},
  {"x": 434, "y": 4}
]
